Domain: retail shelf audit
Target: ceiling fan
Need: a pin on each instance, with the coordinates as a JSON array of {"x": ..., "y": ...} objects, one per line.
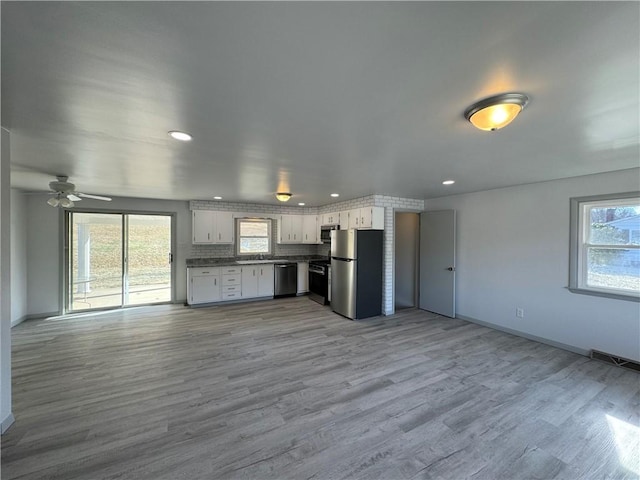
[{"x": 65, "y": 194}]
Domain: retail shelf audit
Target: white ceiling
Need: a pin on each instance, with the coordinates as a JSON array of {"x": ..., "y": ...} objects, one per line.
[{"x": 356, "y": 98}]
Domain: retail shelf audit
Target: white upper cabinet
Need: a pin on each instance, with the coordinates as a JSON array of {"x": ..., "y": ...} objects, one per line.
[
  {"x": 354, "y": 218},
  {"x": 367, "y": 218},
  {"x": 331, "y": 218},
  {"x": 212, "y": 227},
  {"x": 372, "y": 217},
  {"x": 224, "y": 227},
  {"x": 203, "y": 221},
  {"x": 310, "y": 229},
  {"x": 290, "y": 229}
]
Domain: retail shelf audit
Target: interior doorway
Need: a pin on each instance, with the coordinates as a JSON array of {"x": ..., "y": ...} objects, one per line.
[
  {"x": 117, "y": 259},
  {"x": 407, "y": 236}
]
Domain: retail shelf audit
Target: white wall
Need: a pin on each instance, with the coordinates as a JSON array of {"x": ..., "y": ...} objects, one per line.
[
  {"x": 18, "y": 257},
  {"x": 513, "y": 251},
  {"x": 6, "y": 417},
  {"x": 44, "y": 237}
]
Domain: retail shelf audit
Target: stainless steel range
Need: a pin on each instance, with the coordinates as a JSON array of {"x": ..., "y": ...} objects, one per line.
[{"x": 320, "y": 281}]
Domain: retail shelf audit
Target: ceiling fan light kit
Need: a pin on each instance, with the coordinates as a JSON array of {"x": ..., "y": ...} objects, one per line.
[
  {"x": 65, "y": 193},
  {"x": 494, "y": 113}
]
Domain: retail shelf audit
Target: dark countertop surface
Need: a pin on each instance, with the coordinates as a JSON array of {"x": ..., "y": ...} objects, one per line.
[{"x": 228, "y": 261}]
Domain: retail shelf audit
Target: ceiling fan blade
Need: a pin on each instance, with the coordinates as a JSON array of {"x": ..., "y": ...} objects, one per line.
[
  {"x": 95, "y": 197},
  {"x": 73, "y": 197}
]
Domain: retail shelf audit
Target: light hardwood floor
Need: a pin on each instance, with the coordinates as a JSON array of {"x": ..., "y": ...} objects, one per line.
[{"x": 285, "y": 389}]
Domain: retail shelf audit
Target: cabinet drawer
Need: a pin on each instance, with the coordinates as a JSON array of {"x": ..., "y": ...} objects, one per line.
[
  {"x": 200, "y": 271},
  {"x": 231, "y": 280},
  {"x": 230, "y": 295},
  {"x": 231, "y": 288},
  {"x": 231, "y": 270}
]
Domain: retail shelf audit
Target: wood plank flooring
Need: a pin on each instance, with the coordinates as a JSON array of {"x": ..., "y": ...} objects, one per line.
[{"x": 286, "y": 389}]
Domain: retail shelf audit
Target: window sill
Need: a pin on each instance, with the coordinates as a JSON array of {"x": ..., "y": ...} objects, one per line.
[{"x": 596, "y": 293}]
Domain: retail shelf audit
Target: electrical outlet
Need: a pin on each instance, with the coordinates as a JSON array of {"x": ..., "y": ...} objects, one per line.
[{"x": 520, "y": 312}]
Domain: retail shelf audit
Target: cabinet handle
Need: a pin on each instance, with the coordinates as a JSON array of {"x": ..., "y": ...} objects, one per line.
[
  {"x": 254, "y": 273},
  {"x": 208, "y": 236},
  {"x": 204, "y": 272},
  {"x": 260, "y": 271},
  {"x": 215, "y": 281}
]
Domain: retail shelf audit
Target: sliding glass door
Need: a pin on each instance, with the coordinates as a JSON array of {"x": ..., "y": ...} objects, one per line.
[{"x": 117, "y": 259}]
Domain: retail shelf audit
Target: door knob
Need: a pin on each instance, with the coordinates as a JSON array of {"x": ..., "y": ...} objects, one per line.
[{"x": 451, "y": 269}]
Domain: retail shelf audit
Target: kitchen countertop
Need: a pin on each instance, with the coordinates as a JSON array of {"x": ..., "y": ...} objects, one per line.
[{"x": 225, "y": 262}]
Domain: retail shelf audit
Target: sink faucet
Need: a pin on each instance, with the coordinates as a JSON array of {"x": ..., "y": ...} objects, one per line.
[{"x": 261, "y": 257}]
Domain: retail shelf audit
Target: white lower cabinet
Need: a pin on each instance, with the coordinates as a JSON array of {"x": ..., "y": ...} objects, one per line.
[
  {"x": 203, "y": 285},
  {"x": 265, "y": 280},
  {"x": 231, "y": 283},
  {"x": 303, "y": 277},
  {"x": 257, "y": 281},
  {"x": 216, "y": 284},
  {"x": 250, "y": 281}
]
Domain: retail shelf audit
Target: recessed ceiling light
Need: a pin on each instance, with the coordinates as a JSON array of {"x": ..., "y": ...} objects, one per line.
[
  {"x": 182, "y": 136},
  {"x": 301, "y": 204},
  {"x": 217, "y": 198},
  {"x": 448, "y": 182},
  {"x": 335, "y": 194}
]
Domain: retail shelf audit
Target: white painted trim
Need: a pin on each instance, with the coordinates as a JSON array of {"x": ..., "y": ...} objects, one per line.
[
  {"x": 40, "y": 316},
  {"x": 6, "y": 423},
  {"x": 535, "y": 338},
  {"x": 19, "y": 320}
]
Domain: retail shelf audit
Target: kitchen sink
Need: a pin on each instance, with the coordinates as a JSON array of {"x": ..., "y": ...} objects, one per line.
[{"x": 251, "y": 262}]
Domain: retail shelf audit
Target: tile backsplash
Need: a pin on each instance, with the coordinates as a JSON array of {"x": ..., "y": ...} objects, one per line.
[
  {"x": 279, "y": 250},
  {"x": 390, "y": 204}
]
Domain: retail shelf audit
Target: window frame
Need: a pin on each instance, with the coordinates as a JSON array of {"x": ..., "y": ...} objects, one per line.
[
  {"x": 239, "y": 238},
  {"x": 578, "y": 247}
]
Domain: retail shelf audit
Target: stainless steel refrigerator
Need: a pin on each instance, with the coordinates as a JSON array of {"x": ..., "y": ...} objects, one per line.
[{"x": 356, "y": 273}]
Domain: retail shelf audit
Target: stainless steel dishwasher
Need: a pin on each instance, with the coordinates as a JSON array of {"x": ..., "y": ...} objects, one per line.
[{"x": 286, "y": 279}]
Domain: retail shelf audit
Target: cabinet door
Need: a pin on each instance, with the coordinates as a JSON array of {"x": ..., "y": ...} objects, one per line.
[
  {"x": 290, "y": 229},
  {"x": 284, "y": 229},
  {"x": 202, "y": 223},
  {"x": 250, "y": 281},
  {"x": 303, "y": 277},
  {"x": 372, "y": 217},
  {"x": 309, "y": 229},
  {"x": 204, "y": 289},
  {"x": 354, "y": 218},
  {"x": 265, "y": 280},
  {"x": 330, "y": 219},
  {"x": 223, "y": 227},
  {"x": 296, "y": 228}
]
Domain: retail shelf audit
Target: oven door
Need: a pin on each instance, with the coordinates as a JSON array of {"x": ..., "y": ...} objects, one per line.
[{"x": 318, "y": 282}]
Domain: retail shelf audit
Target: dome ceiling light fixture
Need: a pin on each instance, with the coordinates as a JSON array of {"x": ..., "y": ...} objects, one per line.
[
  {"x": 494, "y": 113},
  {"x": 283, "y": 196}
]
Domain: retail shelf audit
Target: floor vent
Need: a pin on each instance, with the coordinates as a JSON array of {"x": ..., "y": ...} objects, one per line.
[{"x": 619, "y": 361}]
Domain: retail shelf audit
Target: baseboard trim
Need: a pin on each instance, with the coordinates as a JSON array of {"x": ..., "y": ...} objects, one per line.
[
  {"x": 19, "y": 321},
  {"x": 535, "y": 338},
  {"x": 40, "y": 316},
  {"x": 6, "y": 423}
]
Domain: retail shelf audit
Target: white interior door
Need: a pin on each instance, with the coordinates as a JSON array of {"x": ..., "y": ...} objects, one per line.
[{"x": 438, "y": 262}]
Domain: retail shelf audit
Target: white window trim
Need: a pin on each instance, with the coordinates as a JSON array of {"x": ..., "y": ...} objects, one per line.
[
  {"x": 269, "y": 223},
  {"x": 578, "y": 247}
]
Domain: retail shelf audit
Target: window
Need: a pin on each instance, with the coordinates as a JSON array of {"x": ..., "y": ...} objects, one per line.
[
  {"x": 605, "y": 246},
  {"x": 254, "y": 236}
]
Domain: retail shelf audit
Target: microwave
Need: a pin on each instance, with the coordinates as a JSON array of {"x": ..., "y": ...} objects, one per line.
[{"x": 325, "y": 232}]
